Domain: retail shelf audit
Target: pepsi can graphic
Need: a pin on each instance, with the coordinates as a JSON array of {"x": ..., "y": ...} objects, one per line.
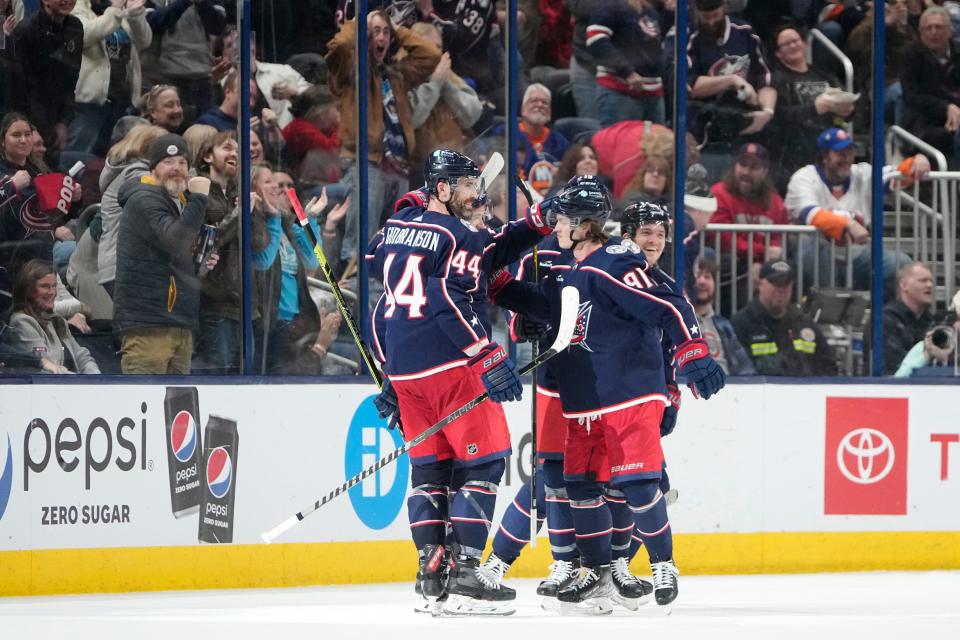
[
  {"x": 220, "y": 441},
  {"x": 182, "y": 417}
]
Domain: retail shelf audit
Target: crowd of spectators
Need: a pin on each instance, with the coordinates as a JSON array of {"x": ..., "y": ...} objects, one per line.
[{"x": 147, "y": 94}]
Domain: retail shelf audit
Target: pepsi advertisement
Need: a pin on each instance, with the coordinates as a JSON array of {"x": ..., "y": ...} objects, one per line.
[{"x": 146, "y": 465}]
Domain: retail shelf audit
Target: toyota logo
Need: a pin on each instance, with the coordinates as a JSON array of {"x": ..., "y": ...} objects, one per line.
[{"x": 865, "y": 445}]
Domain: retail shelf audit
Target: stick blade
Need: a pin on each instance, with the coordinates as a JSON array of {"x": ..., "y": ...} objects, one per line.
[
  {"x": 569, "y": 310},
  {"x": 490, "y": 171},
  {"x": 279, "y": 530}
]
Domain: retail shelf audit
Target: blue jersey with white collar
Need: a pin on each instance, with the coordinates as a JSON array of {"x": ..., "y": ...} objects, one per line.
[{"x": 616, "y": 360}]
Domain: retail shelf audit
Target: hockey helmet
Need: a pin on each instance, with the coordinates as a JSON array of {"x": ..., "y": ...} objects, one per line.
[
  {"x": 444, "y": 165},
  {"x": 639, "y": 214},
  {"x": 583, "y": 198}
]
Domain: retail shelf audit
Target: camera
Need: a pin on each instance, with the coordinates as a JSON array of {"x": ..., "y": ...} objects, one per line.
[{"x": 943, "y": 337}]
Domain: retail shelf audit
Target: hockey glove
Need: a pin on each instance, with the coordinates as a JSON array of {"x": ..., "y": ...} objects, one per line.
[
  {"x": 704, "y": 375},
  {"x": 669, "y": 420},
  {"x": 387, "y": 404},
  {"x": 540, "y": 216},
  {"x": 498, "y": 372},
  {"x": 526, "y": 329}
]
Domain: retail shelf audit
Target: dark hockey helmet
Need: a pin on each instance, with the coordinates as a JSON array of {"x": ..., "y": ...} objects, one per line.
[
  {"x": 583, "y": 198},
  {"x": 444, "y": 165},
  {"x": 639, "y": 214}
]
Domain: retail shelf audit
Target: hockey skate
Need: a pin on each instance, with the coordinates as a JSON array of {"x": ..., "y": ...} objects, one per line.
[
  {"x": 562, "y": 573},
  {"x": 631, "y": 591},
  {"x": 590, "y": 594},
  {"x": 665, "y": 586},
  {"x": 431, "y": 580},
  {"x": 475, "y": 590}
]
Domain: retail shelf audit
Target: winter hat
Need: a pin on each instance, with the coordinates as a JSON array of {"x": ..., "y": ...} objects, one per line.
[{"x": 168, "y": 146}]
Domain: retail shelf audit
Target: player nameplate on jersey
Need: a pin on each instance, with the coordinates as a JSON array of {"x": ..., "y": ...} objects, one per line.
[{"x": 413, "y": 237}]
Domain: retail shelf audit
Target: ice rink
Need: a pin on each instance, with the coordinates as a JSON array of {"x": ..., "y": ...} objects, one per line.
[{"x": 826, "y": 606}]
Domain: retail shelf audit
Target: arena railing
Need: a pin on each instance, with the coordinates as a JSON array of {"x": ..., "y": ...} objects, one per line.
[
  {"x": 735, "y": 274},
  {"x": 925, "y": 225},
  {"x": 815, "y": 35}
]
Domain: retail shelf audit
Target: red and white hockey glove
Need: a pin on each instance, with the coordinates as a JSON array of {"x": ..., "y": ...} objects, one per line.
[
  {"x": 704, "y": 375},
  {"x": 536, "y": 217}
]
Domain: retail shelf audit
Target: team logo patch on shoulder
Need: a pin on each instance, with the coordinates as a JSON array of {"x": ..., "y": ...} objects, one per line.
[
  {"x": 616, "y": 249},
  {"x": 808, "y": 334},
  {"x": 630, "y": 246}
]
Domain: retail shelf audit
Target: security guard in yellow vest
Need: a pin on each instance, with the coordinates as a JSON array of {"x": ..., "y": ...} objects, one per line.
[{"x": 782, "y": 340}]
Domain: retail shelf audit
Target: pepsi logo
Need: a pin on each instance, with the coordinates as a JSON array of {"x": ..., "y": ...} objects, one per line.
[
  {"x": 183, "y": 436},
  {"x": 219, "y": 472},
  {"x": 6, "y": 476}
]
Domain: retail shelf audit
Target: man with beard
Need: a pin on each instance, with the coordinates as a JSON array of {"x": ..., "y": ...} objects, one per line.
[
  {"x": 834, "y": 195},
  {"x": 727, "y": 67},
  {"x": 218, "y": 341},
  {"x": 432, "y": 331},
  {"x": 747, "y": 196},
  {"x": 717, "y": 331},
  {"x": 156, "y": 295}
]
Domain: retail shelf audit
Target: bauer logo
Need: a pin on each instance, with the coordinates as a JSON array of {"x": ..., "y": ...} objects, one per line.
[
  {"x": 865, "y": 458},
  {"x": 183, "y": 436},
  {"x": 379, "y": 498},
  {"x": 6, "y": 474},
  {"x": 219, "y": 472}
]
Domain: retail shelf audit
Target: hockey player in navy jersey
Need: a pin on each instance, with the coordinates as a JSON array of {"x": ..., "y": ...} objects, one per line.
[
  {"x": 613, "y": 389},
  {"x": 513, "y": 534},
  {"x": 433, "y": 335},
  {"x": 619, "y": 404}
]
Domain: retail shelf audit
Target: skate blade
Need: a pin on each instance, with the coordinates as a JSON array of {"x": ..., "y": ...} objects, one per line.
[
  {"x": 433, "y": 606},
  {"x": 632, "y": 604},
  {"x": 602, "y": 606},
  {"x": 459, "y": 606},
  {"x": 548, "y": 603}
]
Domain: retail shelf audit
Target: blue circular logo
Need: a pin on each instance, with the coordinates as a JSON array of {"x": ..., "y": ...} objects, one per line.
[
  {"x": 6, "y": 476},
  {"x": 379, "y": 497}
]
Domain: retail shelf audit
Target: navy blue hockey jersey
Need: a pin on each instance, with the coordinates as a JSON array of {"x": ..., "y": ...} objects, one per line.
[
  {"x": 433, "y": 313},
  {"x": 738, "y": 52},
  {"x": 616, "y": 358},
  {"x": 621, "y": 41}
]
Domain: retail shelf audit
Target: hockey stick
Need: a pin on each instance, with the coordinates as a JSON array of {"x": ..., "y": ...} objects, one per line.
[
  {"x": 570, "y": 302},
  {"x": 490, "y": 171},
  {"x": 335, "y": 287},
  {"x": 535, "y": 348}
]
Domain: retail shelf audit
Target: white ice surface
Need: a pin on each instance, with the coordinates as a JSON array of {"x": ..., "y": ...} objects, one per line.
[{"x": 872, "y": 606}]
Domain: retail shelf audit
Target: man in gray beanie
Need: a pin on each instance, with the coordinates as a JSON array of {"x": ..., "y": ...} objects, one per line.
[{"x": 156, "y": 295}]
